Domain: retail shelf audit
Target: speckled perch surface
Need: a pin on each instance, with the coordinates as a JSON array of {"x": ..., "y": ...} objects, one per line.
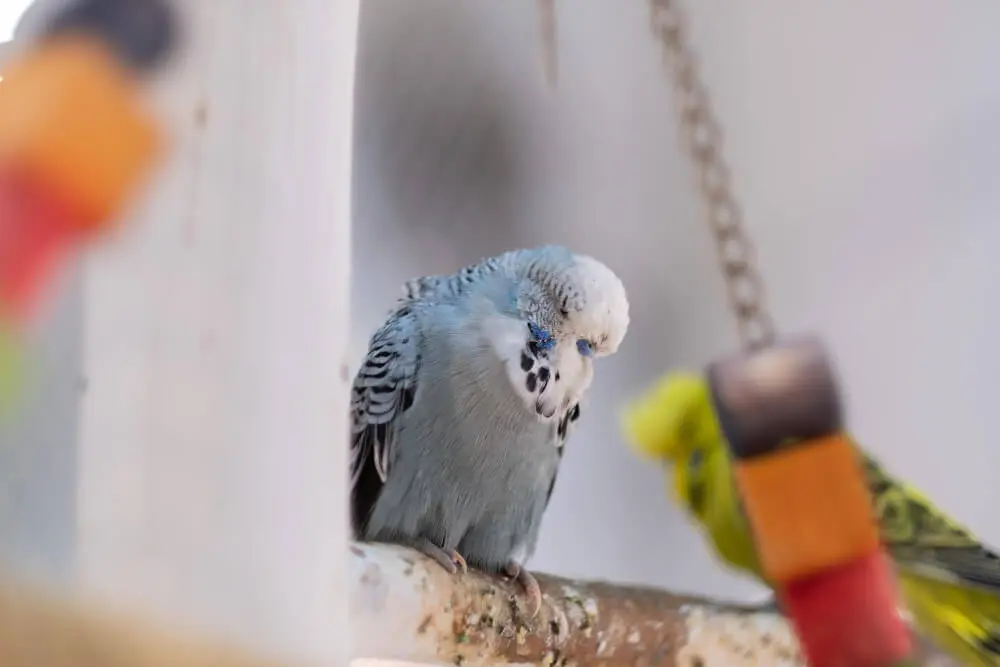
[{"x": 405, "y": 607}]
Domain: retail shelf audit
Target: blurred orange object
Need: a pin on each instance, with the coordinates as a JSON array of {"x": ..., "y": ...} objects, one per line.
[
  {"x": 809, "y": 508},
  {"x": 71, "y": 120}
]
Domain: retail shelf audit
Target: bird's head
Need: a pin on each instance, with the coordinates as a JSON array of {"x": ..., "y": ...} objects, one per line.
[
  {"x": 575, "y": 300},
  {"x": 576, "y": 310},
  {"x": 674, "y": 423}
]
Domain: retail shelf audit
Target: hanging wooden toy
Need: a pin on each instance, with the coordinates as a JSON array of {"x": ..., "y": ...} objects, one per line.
[
  {"x": 75, "y": 144},
  {"x": 778, "y": 405}
]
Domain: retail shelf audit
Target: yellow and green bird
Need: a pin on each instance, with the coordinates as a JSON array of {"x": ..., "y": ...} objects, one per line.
[
  {"x": 11, "y": 368},
  {"x": 950, "y": 581}
]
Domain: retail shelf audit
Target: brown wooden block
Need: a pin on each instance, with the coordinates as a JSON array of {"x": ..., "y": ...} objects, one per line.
[{"x": 769, "y": 397}]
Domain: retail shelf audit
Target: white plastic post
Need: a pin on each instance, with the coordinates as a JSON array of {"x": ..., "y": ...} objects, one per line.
[{"x": 213, "y": 444}]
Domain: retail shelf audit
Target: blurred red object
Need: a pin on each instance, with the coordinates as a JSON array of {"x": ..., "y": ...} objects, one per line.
[
  {"x": 847, "y": 616},
  {"x": 36, "y": 232}
]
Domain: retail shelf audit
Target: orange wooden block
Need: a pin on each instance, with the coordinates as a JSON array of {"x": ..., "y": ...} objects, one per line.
[
  {"x": 71, "y": 118},
  {"x": 809, "y": 508}
]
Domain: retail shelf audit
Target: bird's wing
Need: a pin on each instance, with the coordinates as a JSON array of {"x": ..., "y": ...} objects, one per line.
[
  {"x": 924, "y": 540},
  {"x": 384, "y": 388}
]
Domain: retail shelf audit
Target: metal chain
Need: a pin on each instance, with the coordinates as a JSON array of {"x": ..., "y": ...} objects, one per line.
[
  {"x": 702, "y": 138},
  {"x": 550, "y": 52}
]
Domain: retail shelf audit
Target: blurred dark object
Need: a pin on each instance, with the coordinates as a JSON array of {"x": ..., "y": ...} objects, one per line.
[
  {"x": 436, "y": 129},
  {"x": 785, "y": 392},
  {"x": 142, "y": 32}
]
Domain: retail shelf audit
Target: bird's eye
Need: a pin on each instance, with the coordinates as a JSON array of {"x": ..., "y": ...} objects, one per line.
[
  {"x": 695, "y": 460},
  {"x": 586, "y": 349}
]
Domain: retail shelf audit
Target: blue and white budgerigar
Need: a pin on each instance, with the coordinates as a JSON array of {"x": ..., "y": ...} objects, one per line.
[{"x": 461, "y": 409}]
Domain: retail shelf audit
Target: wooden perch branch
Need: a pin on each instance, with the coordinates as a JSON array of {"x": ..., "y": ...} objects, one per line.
[
  {"x": 38, "y": 629},
  {"x": 406, "y": 607}
]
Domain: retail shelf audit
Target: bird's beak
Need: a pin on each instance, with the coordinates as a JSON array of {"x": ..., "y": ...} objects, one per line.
[{"x": 639, "y": 424}]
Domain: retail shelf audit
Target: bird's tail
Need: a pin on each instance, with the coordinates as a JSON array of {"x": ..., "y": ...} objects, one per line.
[{"x": 961, "y": 620}]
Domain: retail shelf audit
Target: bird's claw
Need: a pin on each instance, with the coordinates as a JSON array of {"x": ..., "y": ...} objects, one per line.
[
  {"x": 449, "y": 559},
  {"x": 529, "y": 584},
  {"x": 459, "y": 560}
]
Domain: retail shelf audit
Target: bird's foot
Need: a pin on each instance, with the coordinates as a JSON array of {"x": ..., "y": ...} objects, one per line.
[
  {"x": 459, "y": 560},
  {"x": 449, "y": 559},
  {"x": 528, "y": 583}
]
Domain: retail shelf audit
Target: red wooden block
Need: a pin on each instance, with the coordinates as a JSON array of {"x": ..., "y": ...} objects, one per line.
[
  {"x": 36, "y": 229},
  {"x": 848, "y": 616}
]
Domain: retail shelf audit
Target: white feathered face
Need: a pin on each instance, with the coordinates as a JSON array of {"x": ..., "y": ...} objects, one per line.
[{"x": 577, "y": 315}]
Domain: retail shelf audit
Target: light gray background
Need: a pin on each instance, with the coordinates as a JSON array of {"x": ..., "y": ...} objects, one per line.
[{"x": 864, "y": 146}]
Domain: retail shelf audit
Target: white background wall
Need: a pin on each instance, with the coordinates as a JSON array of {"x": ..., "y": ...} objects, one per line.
[{"x": 864, "y": 147}]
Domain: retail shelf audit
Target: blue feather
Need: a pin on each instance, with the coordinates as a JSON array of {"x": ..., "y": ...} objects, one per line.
[{"x": 542, "y": 338}]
